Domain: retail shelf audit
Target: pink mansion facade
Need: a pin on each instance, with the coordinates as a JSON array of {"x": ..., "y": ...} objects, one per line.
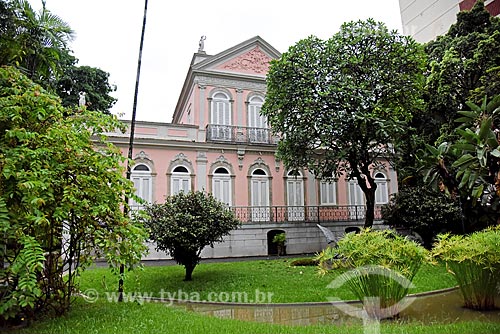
[{"x": 219, "y": 142}]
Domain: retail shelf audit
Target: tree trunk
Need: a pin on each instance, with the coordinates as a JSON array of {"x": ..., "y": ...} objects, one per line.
[
  {"x": 370, "y": 208},
  {"x": 189, "y": 271}
]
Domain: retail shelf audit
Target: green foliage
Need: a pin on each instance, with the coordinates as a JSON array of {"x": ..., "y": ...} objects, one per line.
[
  {"x": 384, "y": 248},
  {"x": 424, "y": 211},
  {"x": 280, "y": 239},
  {"x": 186, "y": 223},
  {"x": 341, "y": 104},
  {"x": 468, "y": 168},
  {"x": 382, "y": 264},
  {"x": 64, "y": 189},
  {"x": 464, "y": 65},
  {"x": 474, "y": 261},
  {"x": 37, "y": 44},
  {"x": 92, "y": 81}
]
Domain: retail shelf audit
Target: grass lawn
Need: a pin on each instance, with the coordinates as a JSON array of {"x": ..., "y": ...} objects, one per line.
[
  {"x": 288, "y": 284},
  {"x": 151, "y": 318}
]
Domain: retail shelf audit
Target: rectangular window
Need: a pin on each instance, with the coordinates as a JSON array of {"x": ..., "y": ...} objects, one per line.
[
  {"x": 381, "y": 194},
  {"x": 328, "y": 193}
]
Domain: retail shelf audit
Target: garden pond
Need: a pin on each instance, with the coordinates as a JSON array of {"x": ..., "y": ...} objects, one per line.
[{"x": 436, "y": 307}]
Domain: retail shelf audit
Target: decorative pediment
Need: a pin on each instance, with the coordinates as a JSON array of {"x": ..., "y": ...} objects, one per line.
[
  {"x": 221, "y": 161},
  {"x": 181, "y": 160},
  {"x": 259, "y": 163},
  {"x": 254, "y": 61},
  {"x": 142, "y": 155}
]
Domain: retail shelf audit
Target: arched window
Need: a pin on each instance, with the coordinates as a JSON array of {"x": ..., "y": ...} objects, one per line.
[
  {"x": 143, "y": 183},
  {"x": 220, "y": 118},
  {"x": 221, "y": 185},
  {"x": 382, "y": 193},
  {"x": 295, "y": 196},
  {"x": 258, "y": 129},
  {"x": 181, "y": 180},
  {"x": 259, "y": 193}
]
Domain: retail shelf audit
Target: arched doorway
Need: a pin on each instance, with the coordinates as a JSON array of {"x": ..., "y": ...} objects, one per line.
[{"x": 272, "y": 247}]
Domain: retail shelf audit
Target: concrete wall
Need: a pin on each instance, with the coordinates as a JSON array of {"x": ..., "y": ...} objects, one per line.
[{"x": 251, "y": 240}]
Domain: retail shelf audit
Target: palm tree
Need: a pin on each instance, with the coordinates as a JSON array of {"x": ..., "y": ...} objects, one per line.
[{"x": 42, "y": 42}]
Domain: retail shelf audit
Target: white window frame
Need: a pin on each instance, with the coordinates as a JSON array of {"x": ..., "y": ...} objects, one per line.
[
  {"x": 382, "y": 192},
  {"x": 220, "y": 118},
  {"x": 295, "y": 196},
  {"x": 183, "y": 179},
  {"x": 222, "y": 186},
  {"x": 261, "y": 203},
  {"x": 328, "y": 192},
  {"x": 143, "y": 184},
  {"x": 259, "y": 129}
]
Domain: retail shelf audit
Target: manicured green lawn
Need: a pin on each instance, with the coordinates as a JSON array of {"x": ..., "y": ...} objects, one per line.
[
  {"x": 286, "y": 283},
  {"x": 151, "y": 318}
]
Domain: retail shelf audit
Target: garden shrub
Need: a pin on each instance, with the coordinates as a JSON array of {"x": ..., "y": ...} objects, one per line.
[
  {"x": 186, "y": 223},
  {"x": 304, "y": 262},
  {"x": 474, "y": 261},
  {"x": 62, "y": 194},
  {"x": 423, "y": 211},
  {"x": 384, "y": 266}
]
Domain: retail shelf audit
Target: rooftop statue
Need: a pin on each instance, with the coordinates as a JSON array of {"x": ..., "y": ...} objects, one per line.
[{"x": 202, "y": 44}]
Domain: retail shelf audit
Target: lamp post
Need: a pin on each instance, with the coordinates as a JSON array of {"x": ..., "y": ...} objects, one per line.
[{"x": 132, "y": 131}]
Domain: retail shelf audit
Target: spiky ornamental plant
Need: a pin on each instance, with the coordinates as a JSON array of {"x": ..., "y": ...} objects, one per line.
[
  {"x": 474, "y": 261},
  {"x": 384, "y": 266}
]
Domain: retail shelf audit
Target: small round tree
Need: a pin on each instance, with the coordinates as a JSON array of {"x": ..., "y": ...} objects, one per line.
[{"x": 186, "y": 223}]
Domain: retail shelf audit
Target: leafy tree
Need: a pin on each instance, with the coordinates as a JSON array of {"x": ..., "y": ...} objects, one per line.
[
  {"x": 423, "y": 210},
  {"x": 464, "y": 65},
  {"x": 186, "y": 223},
  {"x": 40, "y": 41},
  {"x": 8, "y": 23},
  {"x": 62, "y": 191},
  {"x": 37, "y": 44},
  {"x": 468, "y": 168},
  {"x": 92, "y": 81},
  {"x": 341, "y": 104}
]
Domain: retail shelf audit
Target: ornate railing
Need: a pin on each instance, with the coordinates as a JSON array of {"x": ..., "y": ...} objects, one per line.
[
  {"x": 299, "y": 214},
  {"x": 240, "y": 134},
  {"x": 309, "y": 213}
]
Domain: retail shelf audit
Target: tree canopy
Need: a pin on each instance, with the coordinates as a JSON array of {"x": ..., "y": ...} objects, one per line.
[
  {"x": 37, "y": 43},
  {"x": 464, "y": 65},
  {"x": 188, "y": 222},
  {"x": 468, "y": 168},
  {"x": 340, "y": 105},
  {"x": 93, "y": 81},
  {"x": 62, "y": 192}
]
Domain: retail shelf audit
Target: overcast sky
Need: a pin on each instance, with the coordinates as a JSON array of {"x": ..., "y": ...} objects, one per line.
[{"x": 108, "y": 37}]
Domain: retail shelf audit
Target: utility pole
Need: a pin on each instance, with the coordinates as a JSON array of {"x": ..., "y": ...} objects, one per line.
[{"x": 132, "y": 131}]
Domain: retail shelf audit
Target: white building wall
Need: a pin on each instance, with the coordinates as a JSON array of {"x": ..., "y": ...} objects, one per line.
[{"x": 427, "y": 19}]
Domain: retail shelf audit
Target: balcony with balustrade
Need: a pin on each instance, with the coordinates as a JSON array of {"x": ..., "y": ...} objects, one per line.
[
  {"x": 240, "y": 134},
  {"x": 303, "y": 214}
]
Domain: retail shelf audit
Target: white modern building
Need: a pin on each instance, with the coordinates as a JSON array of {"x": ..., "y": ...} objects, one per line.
[{"x": 426, "y": 19}]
